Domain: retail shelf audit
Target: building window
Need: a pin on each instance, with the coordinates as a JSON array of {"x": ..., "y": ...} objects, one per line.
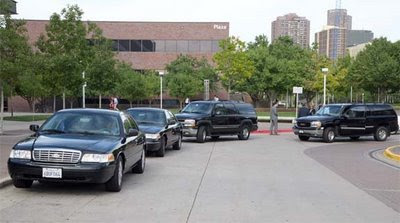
[
  {"x": 194, "y": 46},
  {"x": 147, "y": 46},
  {"x": 170, "y": 46},
  {"x": 136, "y": 45},
  {"x": 114, "y": 45},
  {"x": 159, "y": 45},
  {"x": 182, "y": 46},
  {"x": 123, "y": 45},
  {"x": 205, "y": 46},
  {"x": 215, "y": 45}
]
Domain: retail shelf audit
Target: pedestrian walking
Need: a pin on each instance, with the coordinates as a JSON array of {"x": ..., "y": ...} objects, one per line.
[{"x": 273, "y": 127}]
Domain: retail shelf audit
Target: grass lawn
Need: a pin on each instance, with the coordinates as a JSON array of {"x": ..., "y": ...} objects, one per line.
[{"x": 27, "y": 118}]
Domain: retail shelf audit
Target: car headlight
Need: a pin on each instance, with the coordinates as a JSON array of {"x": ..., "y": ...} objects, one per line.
[
  {"x": 21, "y": 154},
  {"x": 189, "y": 123},
  {"x": 294, "y": 121},
  {"x": 153, "y": 136},
  {"x": 98, "y": 158},
  {"x": 316, "y": 124}
]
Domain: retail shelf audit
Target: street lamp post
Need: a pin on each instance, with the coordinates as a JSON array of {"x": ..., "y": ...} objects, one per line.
[
  {"x": 83, "y": 90},
  {"x": 161, "y": 73},
  {"x": 325, "y": 71}
]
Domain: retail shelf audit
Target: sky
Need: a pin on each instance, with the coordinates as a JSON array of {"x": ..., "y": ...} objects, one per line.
[{"x": 247, "y": 18}]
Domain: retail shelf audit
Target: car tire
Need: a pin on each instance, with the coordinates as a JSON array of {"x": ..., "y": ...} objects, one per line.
[
  {"x": 354, "y": 137},
  {"x": 244, "y": 133},
  {"x": 161, "y": 151},
  {"x": 178, "y": 144},
  {"x": 115, "y": 183},
  {"x": 381, "y": 133},
  {"x": 304, "y": 138},
  {"x": 201, "y": 134},
  {"x": 19, "y": 183},
  {"x": 329, "y": 135},
  {"x": 141, "y": 164},
  {"x": 214, "y": 137}
]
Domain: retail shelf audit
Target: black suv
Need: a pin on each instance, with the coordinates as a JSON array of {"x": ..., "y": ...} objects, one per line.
[
  {"x": 351, "y": 120},
  {"x": 216, "y": 118}
]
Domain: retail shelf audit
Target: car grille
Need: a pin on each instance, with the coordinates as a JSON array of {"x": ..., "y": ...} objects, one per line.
[
  {"x": 303, "y": 124},
  {"x": 56, "y": 155}
]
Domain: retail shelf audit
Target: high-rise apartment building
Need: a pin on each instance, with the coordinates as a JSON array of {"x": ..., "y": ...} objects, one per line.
[
  {"x": 332, "y": 41},
  {"x": 339, "y": 18},
  {"x": 294, "y": 26}
]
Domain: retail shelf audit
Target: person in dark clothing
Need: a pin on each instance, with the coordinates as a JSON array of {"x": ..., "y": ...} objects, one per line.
[
  {"x": 312, "y": 109},
  {"x": 303, "y": 111}
]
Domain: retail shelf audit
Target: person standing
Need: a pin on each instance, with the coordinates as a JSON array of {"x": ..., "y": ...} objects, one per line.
[
  {"x": 116, "y": 103},
  {"x": 312, "y": 109},
  {"x": 216, "y": 98},
  {"x": 303, "y": 111},
  {"x": 111, "y": 105},
  {"x": 187, "y": 101},
  {"x": 273, "y": 127}
]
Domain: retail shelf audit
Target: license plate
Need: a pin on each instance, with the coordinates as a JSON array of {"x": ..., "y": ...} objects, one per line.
[
  {"x": 52, "y": 173},
  {"x": 301, "y": 131}
]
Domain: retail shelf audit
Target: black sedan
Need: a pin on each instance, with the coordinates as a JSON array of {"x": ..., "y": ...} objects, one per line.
[
  {"x": 161, "y": 127},
  {"x": 80, "y": 145}
]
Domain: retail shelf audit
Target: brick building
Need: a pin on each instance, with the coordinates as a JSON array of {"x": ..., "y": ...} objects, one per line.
[
  {"x": 294, "y": 26},
  {"x": 151, "y": 45}
]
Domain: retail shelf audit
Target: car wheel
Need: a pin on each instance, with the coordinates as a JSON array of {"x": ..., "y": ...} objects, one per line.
[
  {"x": 178, "y": 144},
  {"x": 244, "y": 133},
  {"x": 201, "y": 134},
  {"x": 115, "y": 183},
  {"x": 19, "y": 183},
  {"x": 329, "y": 135},
  {"x": 304, "y": 138},
  {"x": 141, "y": 164},
  {"x": 161, "y": 152},
  {"x": 214, "y": 137},
  {"x": 354, "y": 137},
  {"x": 381, "y": 133}
]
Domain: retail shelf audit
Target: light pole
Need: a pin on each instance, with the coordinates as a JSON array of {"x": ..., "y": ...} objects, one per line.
[
  {"x": 161, "y": 73},
  {"x": 83, "y": 90},
  {"x": 325, "y": 71},
  {"x": 362, "y": 97}
]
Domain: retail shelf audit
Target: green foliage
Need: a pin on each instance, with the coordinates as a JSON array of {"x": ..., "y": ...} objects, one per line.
[
  {"x": 233, "y": 62},
  {"x": 131, "y": 84},
  {"x": 185, "y": 77}
]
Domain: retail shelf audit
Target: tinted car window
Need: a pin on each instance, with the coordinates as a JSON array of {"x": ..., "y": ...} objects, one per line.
[
  {"x": 101, "y": 124},
  {"x": 230, "y": 109},
  {"x": 379, "y": 110},
  {"x": 331, "y": 110},
  {"x": 152, "y": 117},
  {"x": 127, "y": 124},
  {"x": 356, "y": 112},
  {"x": 201, "y": 108},
  {"x": 246, "y": 109},
  {"x": 219, "y": 109}
]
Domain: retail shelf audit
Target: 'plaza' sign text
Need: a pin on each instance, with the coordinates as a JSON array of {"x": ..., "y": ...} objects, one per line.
[{"x": 216, "y": 26}]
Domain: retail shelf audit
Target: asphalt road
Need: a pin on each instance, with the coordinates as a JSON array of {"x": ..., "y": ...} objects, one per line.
[{"x": 264, "y": 179}]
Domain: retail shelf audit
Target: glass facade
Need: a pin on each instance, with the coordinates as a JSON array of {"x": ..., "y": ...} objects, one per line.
[{"x": 170, "y": 46}]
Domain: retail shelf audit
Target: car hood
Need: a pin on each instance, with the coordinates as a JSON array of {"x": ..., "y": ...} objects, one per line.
[
  {"x": 322, "y": 118},
  {"x": 151, "y": 129},
  {"x": 183, "y": 116},
  {"x": 86, "y": 143}
]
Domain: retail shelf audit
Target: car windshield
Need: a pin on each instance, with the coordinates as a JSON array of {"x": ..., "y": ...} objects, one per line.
[
  {"x": 148, "y": 117},
  {"x": 82, "y": 123},
  {"x": 201, "y": 108},
  {"x": 330, "y": 110}
]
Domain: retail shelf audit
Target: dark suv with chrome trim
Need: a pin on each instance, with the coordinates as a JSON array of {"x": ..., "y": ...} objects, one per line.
[
  {"x": 351, "y": 120},
  {"x": 217, "y": 118}
]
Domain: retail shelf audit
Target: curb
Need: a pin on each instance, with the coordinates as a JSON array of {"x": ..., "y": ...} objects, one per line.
[
  {"x": 5, "y": 182},
  {"x": 268, "y": 131},
  {"x": 391, "y": 155}
]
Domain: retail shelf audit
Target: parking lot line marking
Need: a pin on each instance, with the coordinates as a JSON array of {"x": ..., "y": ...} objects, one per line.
[
  {"x": 390, "y": 154},
  {"x": 201, "y": 181}
]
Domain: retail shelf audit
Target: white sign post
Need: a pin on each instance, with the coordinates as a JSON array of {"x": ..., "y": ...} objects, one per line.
[{"x": 297, "y": 91}]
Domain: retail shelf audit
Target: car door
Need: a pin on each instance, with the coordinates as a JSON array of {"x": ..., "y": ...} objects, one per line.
[
  {"x": 174, "y": 127},
  {"x": 353, "y": 120},
  {"x": 219, "y": 118},
  {"x": 132, "y": 148},
  {"x": 233, "y": 121}
]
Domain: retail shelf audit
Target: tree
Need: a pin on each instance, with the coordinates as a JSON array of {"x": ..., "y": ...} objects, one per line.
[
  {"x": 152, "y": 85},
  {"x": 131, "y": 84},
  {"x": 67, "y": 51},
  {"x": 14, "y": 54},
  {"x": 377, "y": 68},
  {"x": 233, "y": 62},
  {"x": 185, "y": 77}
]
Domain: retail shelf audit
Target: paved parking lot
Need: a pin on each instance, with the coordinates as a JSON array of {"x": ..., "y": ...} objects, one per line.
[{"x": 265, "y": 179}]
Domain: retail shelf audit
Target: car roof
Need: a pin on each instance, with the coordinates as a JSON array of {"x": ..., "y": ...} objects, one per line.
[
  {"x": 91, "y": 110},
  {"x": 219, "y": 101},
  {"x": 346, "y": 104},
  {"x": 146, "y": 108}
]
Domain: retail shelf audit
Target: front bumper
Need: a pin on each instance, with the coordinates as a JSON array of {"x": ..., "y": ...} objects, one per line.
[
  {"x": 152, "y": 145},
  {"x": 189, "y": 132},
  {"x": 311, "y": 132},
  {"x": 80, "y": 172}
]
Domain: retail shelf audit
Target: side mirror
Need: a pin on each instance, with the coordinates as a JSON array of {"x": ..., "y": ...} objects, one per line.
[
  {"x": 34, "y": 128},
  {"x": 171, "y": 122},
  {"x": 132, "y": 132}
]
